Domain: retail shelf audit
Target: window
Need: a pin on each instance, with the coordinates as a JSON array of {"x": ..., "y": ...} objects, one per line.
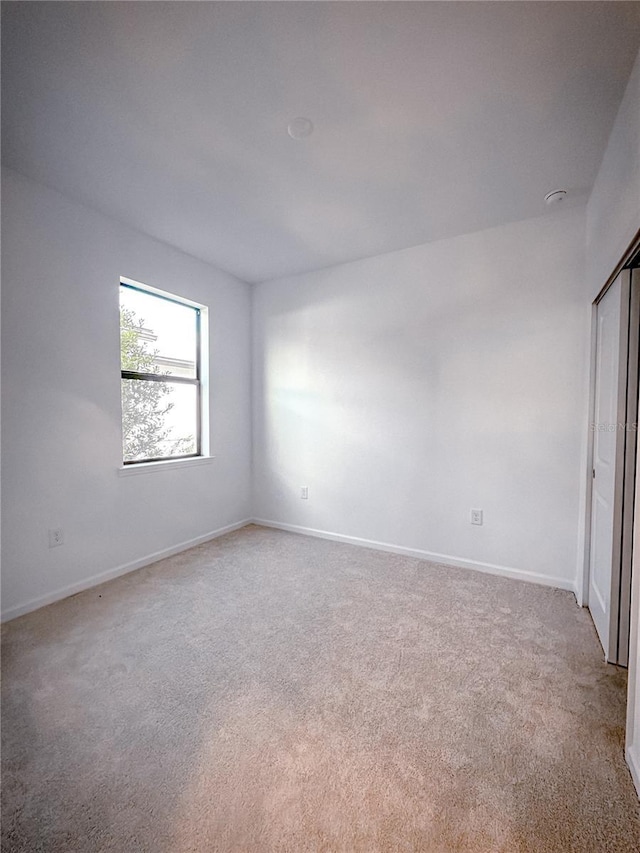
[{"x": 160, "y": 354}]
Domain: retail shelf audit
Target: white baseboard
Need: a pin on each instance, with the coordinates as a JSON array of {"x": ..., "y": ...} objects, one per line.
[
  {"x": 446, "y": 559},
  {"x": 633, "y": 760},
  {"x": 576, "y": 588},
  {"x": 109, "y": 574}
]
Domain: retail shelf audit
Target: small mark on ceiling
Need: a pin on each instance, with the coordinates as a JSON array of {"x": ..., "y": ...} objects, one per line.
[
  {"x": 555, "y": 196},
  {"x": 300, "y": 128}
]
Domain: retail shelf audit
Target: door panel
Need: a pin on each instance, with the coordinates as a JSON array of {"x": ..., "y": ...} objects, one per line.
[
  {"x": 631, "y": 449},
  {"x": 608, "y": 460}
]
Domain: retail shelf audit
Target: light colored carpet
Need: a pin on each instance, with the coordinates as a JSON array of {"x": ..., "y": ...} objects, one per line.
[{"x": 272, "y": 692}]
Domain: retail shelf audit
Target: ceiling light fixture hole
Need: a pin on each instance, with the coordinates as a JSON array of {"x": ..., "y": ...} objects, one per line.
[
  {"x": 555, "y": 196},
  {"x": 300, "y": 128}
]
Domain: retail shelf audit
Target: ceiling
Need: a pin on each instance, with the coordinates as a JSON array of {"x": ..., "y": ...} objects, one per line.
[{"x": 431, "y": 119}]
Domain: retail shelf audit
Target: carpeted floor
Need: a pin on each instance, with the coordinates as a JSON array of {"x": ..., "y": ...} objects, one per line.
[{"x": 272, "y": 692}]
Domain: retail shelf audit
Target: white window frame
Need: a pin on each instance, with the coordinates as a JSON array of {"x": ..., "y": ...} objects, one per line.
[{"x": 202, "y": 373}]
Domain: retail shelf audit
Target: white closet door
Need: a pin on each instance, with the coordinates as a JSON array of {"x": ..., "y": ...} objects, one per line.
[{"x": 608, "y": 461}]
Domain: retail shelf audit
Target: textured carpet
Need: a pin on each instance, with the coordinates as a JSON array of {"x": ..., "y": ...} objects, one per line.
[{"x": 272, "y": 692}]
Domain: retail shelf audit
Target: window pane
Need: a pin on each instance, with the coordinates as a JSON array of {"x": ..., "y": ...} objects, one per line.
[
  {"x": 159, "y": 419},
  {"x": 157, "y": 335}
]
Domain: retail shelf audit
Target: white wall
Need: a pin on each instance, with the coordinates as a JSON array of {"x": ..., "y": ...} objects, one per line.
[
  {"x": 405, "y": 389},
  {"x": 613, "y": 210},
  {"x": 61, "y": 399}
]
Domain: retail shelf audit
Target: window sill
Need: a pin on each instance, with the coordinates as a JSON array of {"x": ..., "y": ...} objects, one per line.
[{"x": 166, "y": 465}]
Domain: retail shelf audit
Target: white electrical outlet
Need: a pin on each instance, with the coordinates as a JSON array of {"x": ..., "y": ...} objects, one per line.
[
  {"x": 56, "y": 537},
  {"x": 304, "y": 493},
  {"x": 476, "y": 516}
]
